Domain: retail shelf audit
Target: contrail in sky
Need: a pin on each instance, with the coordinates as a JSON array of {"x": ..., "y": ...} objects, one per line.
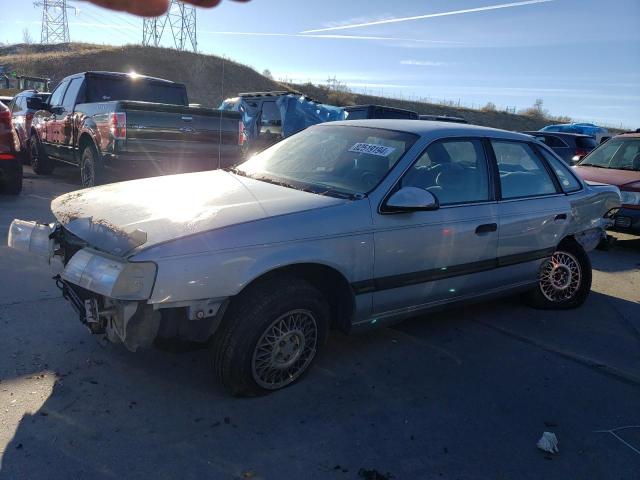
[{"x": 431, "y": 15}]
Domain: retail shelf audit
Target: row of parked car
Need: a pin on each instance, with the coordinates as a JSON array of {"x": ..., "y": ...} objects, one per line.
[{"x": 116, "y": 126}]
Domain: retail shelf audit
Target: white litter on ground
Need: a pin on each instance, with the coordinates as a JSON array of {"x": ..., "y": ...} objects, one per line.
[{"x": 548, "y": 442}]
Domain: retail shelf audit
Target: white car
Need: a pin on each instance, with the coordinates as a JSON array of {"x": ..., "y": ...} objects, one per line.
[{"x": 347, "y": 225}]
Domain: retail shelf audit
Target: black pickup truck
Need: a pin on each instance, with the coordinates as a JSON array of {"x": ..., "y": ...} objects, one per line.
[{"x": 118, "y": 125}]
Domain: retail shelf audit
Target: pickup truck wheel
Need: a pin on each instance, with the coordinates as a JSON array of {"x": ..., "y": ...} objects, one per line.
[
  {"x": 270, "y": 336},
  {"x": 91, "y": 168},
  {"x": 39, "y": 160},
  {"x": 565, "y": 279}
]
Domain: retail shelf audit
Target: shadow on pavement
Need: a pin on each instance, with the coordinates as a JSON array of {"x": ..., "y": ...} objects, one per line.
[{"x": 439, "y": 396}]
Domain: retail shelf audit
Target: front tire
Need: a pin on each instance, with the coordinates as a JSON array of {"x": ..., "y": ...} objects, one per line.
[
  {"x": 39, "y": 160},
  {"x": 270, "y": 336},
  {"x": 565, "y": 279}
]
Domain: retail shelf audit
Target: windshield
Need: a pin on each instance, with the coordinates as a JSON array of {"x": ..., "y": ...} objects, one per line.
[
  {"x": 617, "y": 153},
  {"x": 331, "y": 159}
]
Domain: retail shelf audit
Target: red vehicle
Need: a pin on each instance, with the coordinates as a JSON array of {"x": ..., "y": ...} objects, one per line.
[
  {"x": 23, "y": 106},
  {"x": 10, "y": 163},
  {"x": 617, "y": 162}
]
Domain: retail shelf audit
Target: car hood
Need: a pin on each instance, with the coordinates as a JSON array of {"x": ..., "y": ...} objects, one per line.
[
  {"x": 611, "y": 176},
  {"x": 119, "y": 217}
]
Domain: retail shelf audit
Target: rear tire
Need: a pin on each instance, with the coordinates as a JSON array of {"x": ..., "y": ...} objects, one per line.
[
  {"x": 39, "y": 160},
  {"x": 565, "y": 279},
  {"x": 91, "y": 167},
  {"x": 270, "y": 335}
]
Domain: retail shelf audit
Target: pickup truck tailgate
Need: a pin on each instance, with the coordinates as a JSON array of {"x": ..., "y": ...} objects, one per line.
[{"x": 172, "y": 130}]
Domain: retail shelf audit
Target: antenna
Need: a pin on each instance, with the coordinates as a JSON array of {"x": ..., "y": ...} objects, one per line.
[
  {"x": 182, "y": 22},
  {"x": 55, "y": 27}
]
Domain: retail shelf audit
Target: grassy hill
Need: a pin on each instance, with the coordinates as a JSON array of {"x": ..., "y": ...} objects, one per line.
[{"x": 203, "y": 76}]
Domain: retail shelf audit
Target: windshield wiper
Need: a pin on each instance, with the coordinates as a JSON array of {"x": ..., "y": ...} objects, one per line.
[
  {"x": 332, "y": 192},
  {"x": 237, "y": 171},
  {"x": 276, "y": 182}
]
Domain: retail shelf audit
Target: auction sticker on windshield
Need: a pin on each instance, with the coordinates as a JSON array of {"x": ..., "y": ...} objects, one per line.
[{"x": 372, "y": 149}]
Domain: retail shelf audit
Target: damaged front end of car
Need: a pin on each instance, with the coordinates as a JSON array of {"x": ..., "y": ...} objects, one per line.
[{"x": 108, "y": 292}]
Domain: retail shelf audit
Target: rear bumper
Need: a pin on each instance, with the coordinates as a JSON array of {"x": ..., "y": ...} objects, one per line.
[
  {"x": 627, "y": 220},
  {"x": 158, "y": 163}
]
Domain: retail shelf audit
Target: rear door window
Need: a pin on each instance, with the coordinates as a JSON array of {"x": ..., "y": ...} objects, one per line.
[
  {"x": 522, "y": 173},
  {"x": 72, "y": 94},
  {"x": 58, "y": 93}
]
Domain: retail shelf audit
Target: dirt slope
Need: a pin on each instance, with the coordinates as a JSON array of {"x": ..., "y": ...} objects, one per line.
[{"x": 203, "y": 76}]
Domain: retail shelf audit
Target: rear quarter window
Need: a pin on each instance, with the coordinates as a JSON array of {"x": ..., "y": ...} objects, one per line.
[{"x": 568, "y": 181}]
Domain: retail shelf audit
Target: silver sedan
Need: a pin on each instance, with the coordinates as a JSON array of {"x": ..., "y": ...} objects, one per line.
[{"x": 347, "y": 225}]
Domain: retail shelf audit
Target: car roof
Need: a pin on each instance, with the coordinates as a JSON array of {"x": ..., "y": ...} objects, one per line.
[
  {"x": 432, "y": 128},
  {"x": 558, "y": 134}
]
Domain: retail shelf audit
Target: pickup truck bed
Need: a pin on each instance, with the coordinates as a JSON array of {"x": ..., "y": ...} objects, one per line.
[{"x": 116, "y": 125}]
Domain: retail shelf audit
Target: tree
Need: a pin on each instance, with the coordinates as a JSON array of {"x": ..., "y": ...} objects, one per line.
[
  {"x": 489, "y": 107},
  {"x": 267, "y": 73},
  {"x": 27, "y": 39},
  {"x": 536, "y": 110}
]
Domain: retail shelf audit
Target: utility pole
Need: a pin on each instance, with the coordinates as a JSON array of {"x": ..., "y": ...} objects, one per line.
[
  {"x": 182, "y": 23},
  {"x": 55, "y": 27}
]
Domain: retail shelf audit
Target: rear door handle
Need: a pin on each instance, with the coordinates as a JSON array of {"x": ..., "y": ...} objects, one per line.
[
  {"x": 561, "y": 216},
  {"x": 486, "y": 228}
]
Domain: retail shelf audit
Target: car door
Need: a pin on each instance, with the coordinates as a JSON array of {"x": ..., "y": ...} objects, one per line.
[
  {"x": 50, "y": 129},
  {"x": 65, "y": 120},
  {"x": 533, "y": 210},
  {"x": 426, "y": 257}
]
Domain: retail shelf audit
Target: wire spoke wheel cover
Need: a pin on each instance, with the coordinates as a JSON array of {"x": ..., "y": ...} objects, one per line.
[
  {"x": 560, "y": 277},
  {"x": 285, "y": 349}
]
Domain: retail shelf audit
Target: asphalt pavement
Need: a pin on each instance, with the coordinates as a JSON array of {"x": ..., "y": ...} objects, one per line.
[{"x": 463, "y": 394}]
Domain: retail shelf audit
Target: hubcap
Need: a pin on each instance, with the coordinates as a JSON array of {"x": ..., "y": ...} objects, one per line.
[
  {"x": 560, "y": 277},
  {"x": 285, "y": 350}
]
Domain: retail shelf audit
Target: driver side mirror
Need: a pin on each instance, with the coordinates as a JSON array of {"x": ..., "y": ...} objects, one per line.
[{"x": 411, "y": 199}]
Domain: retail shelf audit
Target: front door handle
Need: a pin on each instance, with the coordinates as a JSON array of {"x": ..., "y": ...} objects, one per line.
[
  {"x": 561, "y": 216},
  {"x": 486, "y": 228}
]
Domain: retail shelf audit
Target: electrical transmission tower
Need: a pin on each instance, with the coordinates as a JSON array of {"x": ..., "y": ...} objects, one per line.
[
  {"x": 55, "y": 27},
  {"x": 182, "y": 23}
]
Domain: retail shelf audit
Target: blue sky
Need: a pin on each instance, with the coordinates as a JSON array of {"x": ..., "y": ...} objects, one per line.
[{"x": 581, "y": 56}]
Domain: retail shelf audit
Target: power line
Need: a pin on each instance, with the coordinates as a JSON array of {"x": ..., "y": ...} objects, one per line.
[
  {"x": 182, "y": 24},
  {"x": 55, "y": 27}
]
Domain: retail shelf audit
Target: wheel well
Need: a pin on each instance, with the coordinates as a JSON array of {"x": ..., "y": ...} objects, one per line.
[
  {"x": 331, "y": 283},
  {"x": 569, "y": 240},
  {"x": 84, "y": 141}
]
